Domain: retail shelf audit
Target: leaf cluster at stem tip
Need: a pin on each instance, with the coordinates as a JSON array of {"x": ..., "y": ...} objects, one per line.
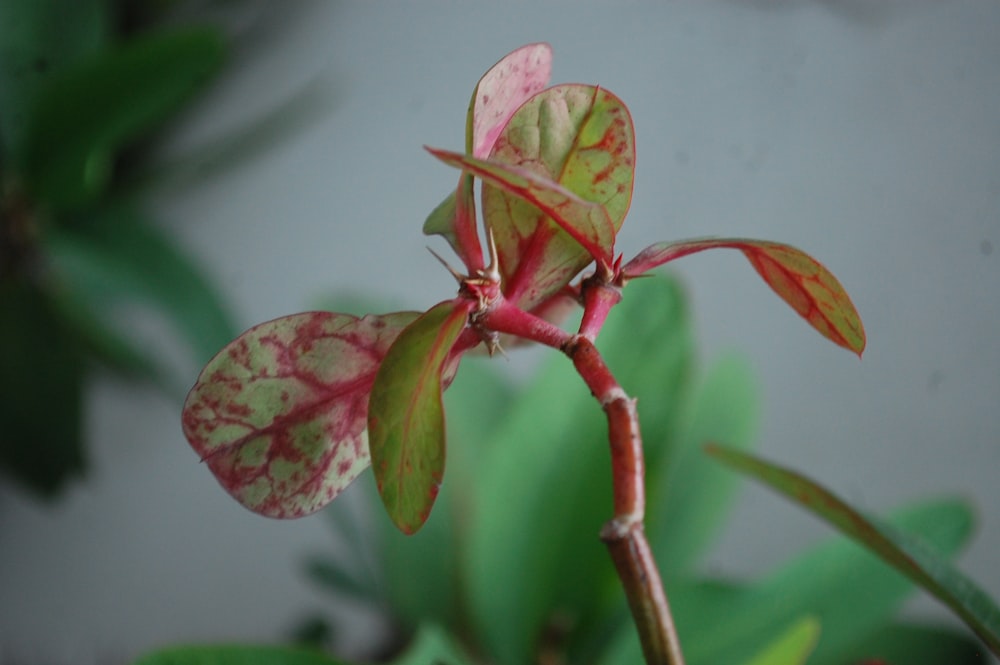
[{"x": 290, "y": 412}]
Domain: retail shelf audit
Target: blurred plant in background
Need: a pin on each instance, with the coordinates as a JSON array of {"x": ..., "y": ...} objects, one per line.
[
  {"x": 507, "y": 569},
  {"x": 84, "y": 84}
]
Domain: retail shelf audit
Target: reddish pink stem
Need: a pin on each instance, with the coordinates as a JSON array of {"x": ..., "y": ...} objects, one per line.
[{"x": 624, "y": 534}]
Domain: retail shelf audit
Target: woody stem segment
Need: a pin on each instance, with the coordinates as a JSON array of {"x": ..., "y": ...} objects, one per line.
[{"x": 624, "y": 534}]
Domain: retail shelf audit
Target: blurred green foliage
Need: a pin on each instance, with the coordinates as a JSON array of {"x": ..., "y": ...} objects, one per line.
[
  {"x": 82, "y": 84},
  {"x": 509, "y": 563}
]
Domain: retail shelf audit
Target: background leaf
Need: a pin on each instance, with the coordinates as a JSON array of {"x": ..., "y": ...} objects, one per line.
[
  {"x": 845, "y": 587},
  {"x": 115, "y": 257},
  {"x": 406, "y": 424},
  {"x": 41, "y": 379},
  {"x": 909, "y": 644},
  {"x": 689, "y": 496},
  {"x": 236, "y": 654},
  {"x": 909, "y": 555},
  {"x": 88, "y": 110},
  {"x": 279, "y": 414},
  {"x": 432, "y": 646},
  {"x": 580, "y": 137},
  {"x": 38, "y": 39},
  {"x": 791, "y": 647}
]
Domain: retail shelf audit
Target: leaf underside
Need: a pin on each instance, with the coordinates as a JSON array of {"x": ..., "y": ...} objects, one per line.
[{"x": 279, "y": 414}]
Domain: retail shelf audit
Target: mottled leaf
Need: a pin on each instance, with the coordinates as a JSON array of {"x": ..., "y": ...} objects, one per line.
[
  {"x": 586, "y": 222},
  {"x": 792, "y": 647},
  {"x": 508, "y": 84},
  {"x": 907, "y": 554},
  {"x": 279, "y": 414},
  {"x": 580, "y": 137},
  {"x": 406, "y": 415},
  {"x": 800, "y": 280},
  {"x": 84, "y": 112}
]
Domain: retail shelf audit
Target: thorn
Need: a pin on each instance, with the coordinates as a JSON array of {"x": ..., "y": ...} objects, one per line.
[
  {"x": 492, "y": 271},
  {"x": 459, "y": 277}
]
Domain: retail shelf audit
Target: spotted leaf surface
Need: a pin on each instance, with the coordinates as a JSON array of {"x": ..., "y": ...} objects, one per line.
[
  {"x": 580, "y": 137},
  {"x": 800, "y": 280},
  {"x": 508, "y": 84},
  {"x": 279, "y": 414},
  {"x": 406, "y": 414}
]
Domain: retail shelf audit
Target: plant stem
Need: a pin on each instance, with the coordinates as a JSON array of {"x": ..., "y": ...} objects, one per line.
[{"x": 624, "y": 534}]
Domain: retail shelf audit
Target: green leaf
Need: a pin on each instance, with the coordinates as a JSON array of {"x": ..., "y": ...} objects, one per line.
[
  {"x": 844, "y": 586},
  {"x": 433, "y": 646},
  {"x": 85, "y": 112},
  {"x": 799, "y": 279},
  {"x": 102, "y": 342},
  {"x": 909, "y": 555},
  {"x": 689, "y": 496},
  {"x": 543, "y": 486},
  {"x": 38, "y": 39},
  {"x": 908, "y": 644},
  {"x": 41, "y": 381},
  {"x": 476, "y": 404},
  {"x": 336, "y": 577},
  {"x": 791, "y": 647},
  {"x": 581, "y": 138},
  {"x": 406, "y": 424},
  {"x": 236, "y": 654},
  {"x": 117, "y": 258},
  {"x": 279, "y": 414}
]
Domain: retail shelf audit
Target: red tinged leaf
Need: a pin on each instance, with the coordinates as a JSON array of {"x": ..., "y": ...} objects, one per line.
[
  {"x": 580, "y": 137},
  {"x": 501, "y": 90},
  {"x": 508, "y": 84},
  {"x": 587, "y": 223},
  {"x": 279, "y": 414},
  {"x": 800, "y": 280},
  {"x": 406, "y": 416}
]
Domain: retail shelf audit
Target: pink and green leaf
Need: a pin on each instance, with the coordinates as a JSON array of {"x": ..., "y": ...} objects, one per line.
[
  {"x": 587, "y": 223},
  {"x": 907, "y": 554},
  {"x": 801, "y": 281},
  {"x": 279, "y": 414},
  {"x": 406, "y": 415},
  {"x": 501, "y": 91},
  {"x": 581, "y": 138}
]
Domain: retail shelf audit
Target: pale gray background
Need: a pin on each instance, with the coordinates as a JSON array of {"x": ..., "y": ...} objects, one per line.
[{"x": 865, "y": 132}]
